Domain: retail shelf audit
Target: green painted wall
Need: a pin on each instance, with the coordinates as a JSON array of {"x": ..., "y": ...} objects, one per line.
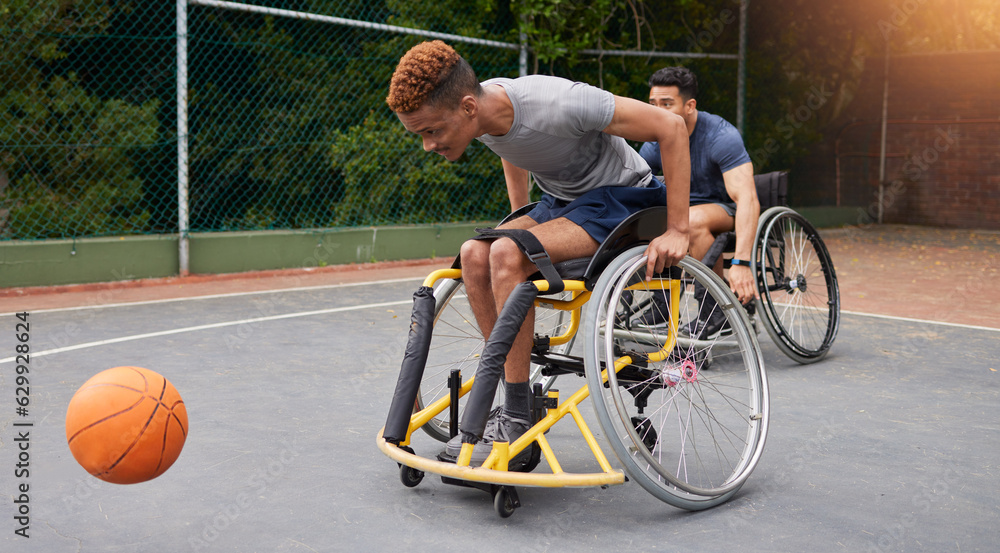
[
  {"x": 54, "y": 262},
  {"x": 50, "y": 262},
  {"x": 832, "y": 217}
]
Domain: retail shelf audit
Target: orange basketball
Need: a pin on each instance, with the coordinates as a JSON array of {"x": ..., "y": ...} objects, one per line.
[{"x": 126, "y": 425}]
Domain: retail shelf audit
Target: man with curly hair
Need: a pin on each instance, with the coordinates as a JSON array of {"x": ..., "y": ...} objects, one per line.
[{"x": 571, "y": 137}]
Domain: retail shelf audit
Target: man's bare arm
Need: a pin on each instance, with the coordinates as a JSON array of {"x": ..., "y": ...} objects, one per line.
[
  {"x": 741, "y": 188},
  {"x": 517, "y": 185},
  {"x": 638, "y": 121}
]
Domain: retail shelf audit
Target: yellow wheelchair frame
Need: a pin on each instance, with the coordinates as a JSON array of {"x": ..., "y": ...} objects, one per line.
[
  {"x": 640, "y": 455},
  {"x": 494, "y": 469}
]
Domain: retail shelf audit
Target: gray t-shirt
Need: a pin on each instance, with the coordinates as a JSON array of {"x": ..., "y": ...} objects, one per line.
[{"x": 556, "y": 135}]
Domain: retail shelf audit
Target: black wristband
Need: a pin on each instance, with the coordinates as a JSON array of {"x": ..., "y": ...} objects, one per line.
[{"x": 744, "y": 262}]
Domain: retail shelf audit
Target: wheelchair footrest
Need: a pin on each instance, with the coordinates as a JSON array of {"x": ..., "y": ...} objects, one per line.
[
  {"x": 508, "y": 478},
  {"x": 485, "y": 486}
]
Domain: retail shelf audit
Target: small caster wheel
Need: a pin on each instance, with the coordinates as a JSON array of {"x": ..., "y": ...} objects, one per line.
[
  {"x": 503, "y": 503},
  {"x": 647, "y": 434},
  {"x": 410, "y": 476}
]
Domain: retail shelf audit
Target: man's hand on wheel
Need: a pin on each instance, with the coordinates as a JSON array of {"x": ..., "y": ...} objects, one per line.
[
  {"x": 741, "y": 282},
  {"x": 665, "y": 250}
]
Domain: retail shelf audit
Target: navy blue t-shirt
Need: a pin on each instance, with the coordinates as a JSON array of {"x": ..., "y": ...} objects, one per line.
[{"x": 716, "y": 147}]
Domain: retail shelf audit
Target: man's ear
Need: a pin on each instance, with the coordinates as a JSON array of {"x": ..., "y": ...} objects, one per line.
[
  {"x": 690, "y": 105},
  {"x": 469, "y": 105}
]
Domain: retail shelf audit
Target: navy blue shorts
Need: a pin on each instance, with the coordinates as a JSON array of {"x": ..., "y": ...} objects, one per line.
[
  {"x": 600, "y": 210},
  {"x": 728, "y": 207}
]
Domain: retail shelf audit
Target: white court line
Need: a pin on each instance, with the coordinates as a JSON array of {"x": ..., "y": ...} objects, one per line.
[
  {"x": 335, "y": 310},
  {"x": 924, "y": 321},
  {"x": 895, "y": 318},
  {"x": 209, "y": 326},
  {"x": 214, "y": 296}
]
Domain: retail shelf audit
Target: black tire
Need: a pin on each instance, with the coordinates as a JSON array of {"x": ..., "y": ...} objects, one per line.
[
  {"x": 503, "y": 503},
  {"x": 799, "y": 295},
  {"x": 409, "y": 476}
]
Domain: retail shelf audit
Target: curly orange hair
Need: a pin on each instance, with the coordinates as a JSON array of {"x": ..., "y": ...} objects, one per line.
[{"x": 430, "y": 73}]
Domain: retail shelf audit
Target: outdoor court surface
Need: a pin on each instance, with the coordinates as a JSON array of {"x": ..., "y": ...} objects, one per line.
[{"x": 890, "y": 444}]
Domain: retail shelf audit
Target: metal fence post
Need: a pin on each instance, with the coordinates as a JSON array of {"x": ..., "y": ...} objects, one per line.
[
  {"x": 885, "y": 120},
  {"x": 522, "y": 56},
  {"x": 741, "y": 70},
  {"x": 182, "y": 139}
]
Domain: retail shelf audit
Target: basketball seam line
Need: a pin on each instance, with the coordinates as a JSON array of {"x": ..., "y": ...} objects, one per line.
[{"x": 141, "y": 432}]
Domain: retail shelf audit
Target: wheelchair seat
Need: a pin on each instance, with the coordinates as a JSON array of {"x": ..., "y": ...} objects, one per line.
[{"x": 637, "y": 229}]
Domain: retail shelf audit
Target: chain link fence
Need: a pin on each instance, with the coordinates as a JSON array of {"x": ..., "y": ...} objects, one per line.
[
  {"x": 86, "y": 133},
  {"x": 287, "y": 123},
  {"x": 287, "y": 126}
]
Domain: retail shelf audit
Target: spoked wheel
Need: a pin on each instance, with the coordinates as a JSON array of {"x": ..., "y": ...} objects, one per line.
[
  {"x": 799, "y": 296},
  {"x": 457, "y": 343},
  {"x": 690, "y": 437}
]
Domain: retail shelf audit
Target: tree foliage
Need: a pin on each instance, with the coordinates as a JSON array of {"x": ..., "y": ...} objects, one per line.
[
  {"x": 287, "y": 122},
  {"x": 66, "y": 162}
]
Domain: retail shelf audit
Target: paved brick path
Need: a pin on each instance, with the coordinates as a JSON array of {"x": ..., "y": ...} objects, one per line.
[{"x": 924, "y": 273}]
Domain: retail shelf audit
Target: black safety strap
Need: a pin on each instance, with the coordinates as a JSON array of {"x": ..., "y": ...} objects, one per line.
[
  {"x": 532, "y": 248},
  {"x": 717, "y": 248}
]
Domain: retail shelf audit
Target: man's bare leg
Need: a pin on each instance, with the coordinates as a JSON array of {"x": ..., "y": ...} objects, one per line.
[
  {"x": 489, "y": 283},
  {"x": 563, "y": 240},
  {"x": 706, "y": 222},
  {"x": 491, "y": 271},
  {"x": 475, "y": 255}
]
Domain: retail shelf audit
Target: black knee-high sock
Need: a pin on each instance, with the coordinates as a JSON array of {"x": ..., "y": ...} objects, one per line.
[{"x": 518, "y": 401}]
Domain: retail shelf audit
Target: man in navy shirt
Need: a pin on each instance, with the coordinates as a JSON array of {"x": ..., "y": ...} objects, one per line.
[{"x": 723, "y": 195}]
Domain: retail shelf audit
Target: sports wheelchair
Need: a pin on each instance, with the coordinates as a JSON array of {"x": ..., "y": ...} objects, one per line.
[
  {"x": 688, "y": 435},
  {"x": 796, "y": 281}
]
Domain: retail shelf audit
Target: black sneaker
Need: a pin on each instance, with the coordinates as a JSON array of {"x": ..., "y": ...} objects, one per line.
[
  {"x": 500, "y": 427},
  {"x": 656, "y": 315},
  {"x": 711, "y": 322},
  {"x": 715, "y": 326}
]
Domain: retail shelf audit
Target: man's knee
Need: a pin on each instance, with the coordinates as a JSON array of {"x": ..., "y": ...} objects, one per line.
[
  {"x": 474, "y": 253},
  {"x": 709, "y": 219},
  {"x": 506, "y": 260},
  {"x": 697, "y": 221},
  {"x": 701, "y": 234}
]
